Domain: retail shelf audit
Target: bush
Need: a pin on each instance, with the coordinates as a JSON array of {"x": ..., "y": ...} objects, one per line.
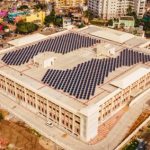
[
  {"x": 50, "y": 18},
  {"x": 58, "y": 21},
  {"x": 81, "y": 25},
  {"x": 110, "y": 22},
  {"x": 131, "y": 146},
  {"x": 26, "y": 27}
]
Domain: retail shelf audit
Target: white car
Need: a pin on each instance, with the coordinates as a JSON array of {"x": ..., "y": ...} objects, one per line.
[{"x": 48, "y": 123}]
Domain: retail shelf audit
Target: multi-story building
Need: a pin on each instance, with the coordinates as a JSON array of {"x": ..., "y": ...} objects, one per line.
[
  {"x": 66, "y": 3},
  {"x": 140, "y": 7},
  {"x": 115, "y": 8},
  {"x": 74, "y": 87}
]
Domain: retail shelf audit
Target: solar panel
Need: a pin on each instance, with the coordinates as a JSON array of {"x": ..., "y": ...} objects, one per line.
[
  {"x": 82, "y": 80},
  {"x": 60, "y": 44}
]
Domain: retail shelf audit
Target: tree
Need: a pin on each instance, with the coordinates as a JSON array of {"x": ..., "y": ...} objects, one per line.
[
  {"x": 26, "y": 27},
  {"x": 110, "y": 22},
  {"x": 81, "y": 25},
  {"x": 122, "y": 25},
  {"x": 146, "y": 21},
  {"x": 89, "y": 14},
  {"x": 58, "y": 21},
  {"x": 129, "y": 10},
  {"x": 23, "y": 7},
  {"x": 50, "y": 18}
]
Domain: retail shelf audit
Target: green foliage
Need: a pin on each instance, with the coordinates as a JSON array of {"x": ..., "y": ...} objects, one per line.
[
  {"x": 88, "y": 14},
  {"x": 147, "y": 33},
  {"x": 50, "y": 18},
  {"x": 146, "y": 22},
  {"x": 58, "y": 21},
  {"x": 110, "y": 22},
  {"x": 5, "y": 27},
  {"x": 122, "y": 25},
  {"x": 23, "y": 7},
  {"x": 26, "y": 27},
  {"x": 132, "y": 145},
  {"x": 81, "y": 25},
  {"x": 1, "y": 116},
  {"x": 129, "y": 11}
]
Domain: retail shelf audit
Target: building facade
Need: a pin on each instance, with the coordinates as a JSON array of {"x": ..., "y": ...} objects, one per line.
[
  {"x": 81, "y": 123},
  {"x": 107, "y": 9},
  {"x": 140, "y": 7},
  {"x": 66, "y": 3}
]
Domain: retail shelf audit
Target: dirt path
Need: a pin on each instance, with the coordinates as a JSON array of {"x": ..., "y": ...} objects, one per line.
[{"x": 22, "y": 137}]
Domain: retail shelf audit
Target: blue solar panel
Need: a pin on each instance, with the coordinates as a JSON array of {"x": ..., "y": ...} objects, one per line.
[
  {"x": 82, "y": 80},
  {"x": 59, "y": 44}
]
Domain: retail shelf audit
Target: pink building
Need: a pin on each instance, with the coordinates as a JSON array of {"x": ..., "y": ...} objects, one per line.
[{"x": 3, "y": 13}]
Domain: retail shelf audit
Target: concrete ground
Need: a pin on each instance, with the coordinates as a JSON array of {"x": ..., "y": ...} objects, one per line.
[{"x": 68, "y": 142}]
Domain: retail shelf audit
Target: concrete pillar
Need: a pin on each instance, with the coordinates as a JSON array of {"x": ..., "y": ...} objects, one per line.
[
  {"x": 36, "y": 103},
  {"x": 73, "y": 123},
  {"x": 25, "y": 92},
  {"x": 15, "y": 90},
  {"x": 89, "y": 122},
  {"x": 6, "y": 85},
  {"x": 59, "y": 115},
  {"x": 47, "y": 112}
]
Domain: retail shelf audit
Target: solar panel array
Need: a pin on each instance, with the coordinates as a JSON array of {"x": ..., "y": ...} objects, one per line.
[
  {"x": 60, "y": 44},
  {"x": 82, "y": 80}
]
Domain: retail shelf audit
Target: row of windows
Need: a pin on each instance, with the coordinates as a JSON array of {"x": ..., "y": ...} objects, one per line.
[
  {"x": 53, "y": 109},
  {"x": 115, "y": 103}
]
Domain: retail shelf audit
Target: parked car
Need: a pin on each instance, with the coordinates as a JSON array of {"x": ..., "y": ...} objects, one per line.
[{"x": 50, "y": 124}]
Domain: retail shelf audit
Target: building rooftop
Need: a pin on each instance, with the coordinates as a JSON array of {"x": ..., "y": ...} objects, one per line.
[
  {"x": 27, "y": 39},
  {"x": 113, "y": 35},
  {"x": 130, "y": 77},
  {"x": 132, "y": 42},
  {"x": 78, "y": 77}
]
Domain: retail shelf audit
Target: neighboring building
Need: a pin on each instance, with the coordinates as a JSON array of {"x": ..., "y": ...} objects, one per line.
[
  {"x": 125, "y": 22},
  {"x": 36, "y": 17},
  {"x": 68, "y": 3},
  {"x": 3, "y": 13},
  {"x": 77, "y": 17},
  {"x": 148, "y": 5},
  {"x": 115, "y": 8},
  {"x": 13, "y": 15},
  {"x": 140, "y": 7},
  {"x": 66, "y": 22},
  {"x": 79, "y": 89}
]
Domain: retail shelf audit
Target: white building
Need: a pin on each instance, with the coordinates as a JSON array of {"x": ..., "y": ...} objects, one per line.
[
  {"x": 114, "y": 8},
  {"x": 140, "y": 7},
  {"x": 78, "y": 116}
]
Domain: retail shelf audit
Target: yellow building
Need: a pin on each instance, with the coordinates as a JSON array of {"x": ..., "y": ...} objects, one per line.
[{"x": 36, "y": 17}]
